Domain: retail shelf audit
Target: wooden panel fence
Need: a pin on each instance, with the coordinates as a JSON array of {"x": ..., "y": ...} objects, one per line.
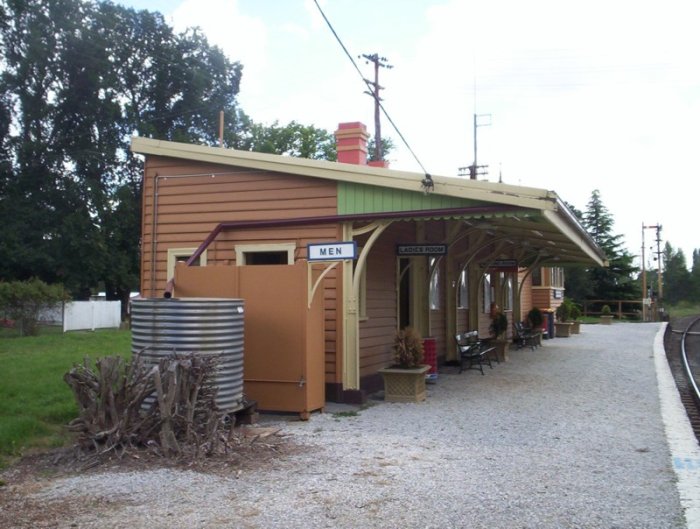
[{"x": 621, "y": 308}]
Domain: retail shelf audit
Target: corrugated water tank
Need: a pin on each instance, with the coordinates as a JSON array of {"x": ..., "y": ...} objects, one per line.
[{"x": 205, "y": 326}]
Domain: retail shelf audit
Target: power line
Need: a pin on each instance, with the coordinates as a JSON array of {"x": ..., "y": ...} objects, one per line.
[{"x": 428, "y": 181}]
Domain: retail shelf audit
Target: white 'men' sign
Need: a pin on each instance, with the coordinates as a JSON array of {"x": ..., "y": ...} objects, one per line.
[{"x": 332, "y": 251}]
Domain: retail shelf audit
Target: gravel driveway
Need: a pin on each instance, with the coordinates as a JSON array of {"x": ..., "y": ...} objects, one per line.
[{"x": 566, "y": 436}]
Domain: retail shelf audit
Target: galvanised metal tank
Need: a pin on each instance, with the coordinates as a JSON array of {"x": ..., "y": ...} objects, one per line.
[{"x": 204, "y": 326}]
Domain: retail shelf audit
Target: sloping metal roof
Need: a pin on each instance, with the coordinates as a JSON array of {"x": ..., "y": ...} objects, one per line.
[{"x": 537, "y": 220}]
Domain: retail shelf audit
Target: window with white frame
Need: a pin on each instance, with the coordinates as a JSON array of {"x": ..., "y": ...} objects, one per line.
[
  {"x": 463, "y": 290},
  {"x": 537, "y": 277},
  {"x": 557, "y": 277},
  {"x": 488, "y": 293},
  {"x": 434, "y": 284},
  {"x": 177, "y": 255},
  {"x": 265, "y": 254},
  {"x": 508, "y": 293}
]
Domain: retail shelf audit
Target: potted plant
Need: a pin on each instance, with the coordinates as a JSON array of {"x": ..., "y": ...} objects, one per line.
[
  {"x": 535, "y": 320},
  {"x": 404, "y": 380},
  {"x": 563, "y": 326},
  {"x": 606, "y": 315},
  {"x": 498, "y": 330}
]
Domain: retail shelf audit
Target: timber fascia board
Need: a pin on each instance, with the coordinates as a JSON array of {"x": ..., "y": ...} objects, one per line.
[
  {"x": 577, "y": 235},
  {"x": 525, "y": 197}
]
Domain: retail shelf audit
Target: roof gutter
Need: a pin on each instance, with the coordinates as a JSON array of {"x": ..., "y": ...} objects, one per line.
[{"x": 575, "y": 224}]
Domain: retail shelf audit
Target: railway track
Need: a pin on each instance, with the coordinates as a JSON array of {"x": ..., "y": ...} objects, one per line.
[{"x": 682, "y": 345}]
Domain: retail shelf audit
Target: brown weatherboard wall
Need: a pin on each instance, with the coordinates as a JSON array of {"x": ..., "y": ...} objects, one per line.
[
  {"x": 190, "y": 207},
  {"x": 462, "y": 320},
  {"x": 542, "y": 297},
  {"x": 377, "y": 330}
]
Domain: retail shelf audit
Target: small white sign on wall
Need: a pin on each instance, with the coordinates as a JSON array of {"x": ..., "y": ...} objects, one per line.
[{"x": 332, "y": 251}]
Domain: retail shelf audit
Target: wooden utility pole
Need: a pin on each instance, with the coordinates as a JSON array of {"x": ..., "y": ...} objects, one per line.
[
  {"x": 658, "y": 256},
  {"x": 659, "y": 292},
  {"x": 379, "y": 62},
  {"x": 644, "y": 279}
]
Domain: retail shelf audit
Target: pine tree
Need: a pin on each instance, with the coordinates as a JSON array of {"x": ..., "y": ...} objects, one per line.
[
  {"x": 694, "y": 285},
  {"x": 676, "y": 276},
  {"x": 617, "y": 280}
]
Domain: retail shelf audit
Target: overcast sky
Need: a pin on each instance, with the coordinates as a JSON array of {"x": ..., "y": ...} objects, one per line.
[{"x": 573, "y": 96}]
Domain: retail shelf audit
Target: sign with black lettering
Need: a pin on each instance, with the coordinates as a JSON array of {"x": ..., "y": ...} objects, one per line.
[
  {"x": 421, "y": 249},
  {"x": 506, "y": 265},
  {"x": 332, "y": 251}
]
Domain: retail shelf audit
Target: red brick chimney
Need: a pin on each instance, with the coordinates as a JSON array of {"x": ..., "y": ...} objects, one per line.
[{"x": 351, "y": 143}]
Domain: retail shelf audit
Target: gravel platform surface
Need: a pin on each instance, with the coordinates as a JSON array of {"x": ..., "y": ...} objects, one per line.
[{"x": 566, "y": 436}]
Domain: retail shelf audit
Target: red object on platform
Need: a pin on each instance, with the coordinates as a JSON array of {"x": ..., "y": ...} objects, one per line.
[{"x": 430, "y": 354}]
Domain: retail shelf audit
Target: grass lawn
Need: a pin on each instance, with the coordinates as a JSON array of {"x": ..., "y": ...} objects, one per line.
[
  {"x": 35, "y": 402},
  {"x": 683, "y": 309}
]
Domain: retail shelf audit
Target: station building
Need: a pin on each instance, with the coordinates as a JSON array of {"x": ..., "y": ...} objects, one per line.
[{"x": 332, "y": 258}]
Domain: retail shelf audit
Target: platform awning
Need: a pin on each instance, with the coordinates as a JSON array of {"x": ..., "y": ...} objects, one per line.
[{"x": 535, "y": 221}]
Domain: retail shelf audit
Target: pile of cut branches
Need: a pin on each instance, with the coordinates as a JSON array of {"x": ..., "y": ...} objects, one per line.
[{"x": 169, "y": 408}]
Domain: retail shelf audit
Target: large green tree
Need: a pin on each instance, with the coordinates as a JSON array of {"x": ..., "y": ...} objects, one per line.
[
  {"x": 694, "y": 287},
  {"x": 578, "y": 286},
  {"x": 293, "y": 139},
  {"x": 78, "y": 79},
  {"x": 676, "y": 277},
  {"x": 618, "y": 279}
]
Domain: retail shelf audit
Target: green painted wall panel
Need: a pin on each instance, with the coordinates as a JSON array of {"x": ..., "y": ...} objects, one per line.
[{"x": 360, "y": 198}]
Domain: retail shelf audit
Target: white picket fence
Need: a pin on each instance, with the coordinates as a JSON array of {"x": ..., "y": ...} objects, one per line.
[{"x": 84, "y": 315}]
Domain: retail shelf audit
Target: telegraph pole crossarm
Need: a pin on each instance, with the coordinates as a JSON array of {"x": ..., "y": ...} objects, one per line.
[
  {"x": 475, "y": 169},
  {"x": 379, "y": 62},
  {"x": 659, "y": 294}
]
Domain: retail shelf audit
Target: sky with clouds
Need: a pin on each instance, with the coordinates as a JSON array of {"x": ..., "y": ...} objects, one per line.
[{"x": 572, "y": 96}]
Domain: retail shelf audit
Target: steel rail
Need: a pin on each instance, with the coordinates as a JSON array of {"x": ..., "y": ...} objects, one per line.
[{"x": 686, "y": 365}]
